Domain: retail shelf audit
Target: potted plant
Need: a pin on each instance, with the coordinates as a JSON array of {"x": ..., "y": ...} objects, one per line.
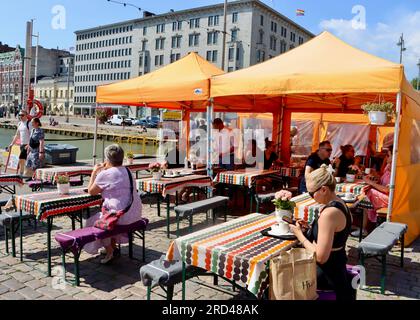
[
  {"x": 351, "y": 175},
  {"x": 63, "y": 184},
  {"x": 284, "y": 207},
  {"x": 379, "y": 112},
  {"x": 156, "y": 170},
  {"x": 130, "y": 157}
]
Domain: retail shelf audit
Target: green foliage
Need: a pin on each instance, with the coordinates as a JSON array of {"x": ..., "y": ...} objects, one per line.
[{"x": 130, "y": 155}]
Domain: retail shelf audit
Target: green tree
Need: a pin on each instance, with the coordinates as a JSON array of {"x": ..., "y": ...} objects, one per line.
[{"x": 414, "y": 82}]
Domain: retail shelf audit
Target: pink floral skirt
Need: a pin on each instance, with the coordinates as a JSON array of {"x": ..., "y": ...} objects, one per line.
[{"x": 379, "y": 200}]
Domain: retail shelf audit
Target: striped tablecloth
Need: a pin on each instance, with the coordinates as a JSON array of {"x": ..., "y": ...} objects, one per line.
[
  {"x": 47, "y": 204},
  {"x": 243, "y": 177},
  {"x": 49, "y": 174},
  {"x": 357, "y": 188},
  {"x": 11, "y": 180},
  {"x": 235, "y": 250},
  {"x": 291, "y": 172},
  {"x": 167, "y": 186}
]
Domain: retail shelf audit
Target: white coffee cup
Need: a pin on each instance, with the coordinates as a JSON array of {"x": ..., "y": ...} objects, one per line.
[
  {"x": 281, "y": 228},
  {"x": 338, "y": 179},
  {"x": 367, "y": 170},
  {"x": 348, "y": 196}
]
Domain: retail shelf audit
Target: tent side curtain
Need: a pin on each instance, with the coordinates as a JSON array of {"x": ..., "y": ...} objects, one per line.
[{"x": 406, "y": 205}]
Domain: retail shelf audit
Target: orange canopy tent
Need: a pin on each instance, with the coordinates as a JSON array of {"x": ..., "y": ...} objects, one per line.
[
  {"x": 327, "y": 75},
  {"x": 183, "y": 84}
]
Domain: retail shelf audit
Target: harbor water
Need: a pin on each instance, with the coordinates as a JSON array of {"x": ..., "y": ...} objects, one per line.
[{"x": 85, "y": 146}]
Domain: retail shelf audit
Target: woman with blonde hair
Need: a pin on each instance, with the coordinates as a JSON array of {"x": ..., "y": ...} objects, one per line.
[{"x": 329, "y": 234}]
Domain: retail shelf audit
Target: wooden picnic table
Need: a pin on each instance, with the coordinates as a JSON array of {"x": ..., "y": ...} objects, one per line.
[
  {"x": 235, "y": 250},
  {"x": 48, "y": 205},
  {"x": 8, "y": 183}
]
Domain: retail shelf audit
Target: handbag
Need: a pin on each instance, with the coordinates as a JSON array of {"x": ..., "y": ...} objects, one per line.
[
  {"x": 293, "y": 276},
  {"x": 109, "y": 219}
]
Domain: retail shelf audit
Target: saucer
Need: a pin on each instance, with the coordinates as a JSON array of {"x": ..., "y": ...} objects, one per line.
[{"x": 269, "y": 233}]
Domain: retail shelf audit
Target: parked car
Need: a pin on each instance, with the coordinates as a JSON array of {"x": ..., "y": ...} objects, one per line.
[{"x": 118, "y": 120}]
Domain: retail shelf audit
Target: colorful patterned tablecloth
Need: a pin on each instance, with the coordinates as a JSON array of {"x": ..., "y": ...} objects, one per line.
[
  {"x": 11, "y": 180},
  {"x": 167, "y": 186},
  {"x": 235, "y": 250},
  {"x": 244, "y": 177},
  {"x": 47, "y": 204},
  {"x": 291, "y": 172},
  {"x": 49, "y": 174},
  {"x": 357, "y": 188}
]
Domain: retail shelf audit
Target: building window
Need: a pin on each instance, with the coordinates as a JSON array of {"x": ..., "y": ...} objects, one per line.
[
  {"x": 212, "y": 55},
  {"x": 300, "y": 40},
  {"x": 194, "y": 23},
  {"x": 273, "y": 26},
  {"x": 273, "y": 43},
  {"x": 176, "y": 42},
  {"x": 194, "y": 39},
  {"x": 159, "y": 60},
  {"x": 261, "y": 20},
  {"x": 143, "y": 45},
  {"x": 144, "y": 31},
  {"x": 291, "y": 47},
  {"x": 212, "y": 37},
  {"x": 176, "y": 25},
  {"x": 260, "y": 55},
  {"x": 261, "y": 37},
  {"x": 160, "y": 44},
  {"x": 234, "y": 35},
  {"x": 283, "y": 32},
  {"x": 292, "y": 37},
  {"x": 234, "y": 17},
  {"x": 231, "y": 54},
  {"x": 213, "y": 21},
  {"x": 175, "y": 57},
  {"x": 160, "y": 28}
]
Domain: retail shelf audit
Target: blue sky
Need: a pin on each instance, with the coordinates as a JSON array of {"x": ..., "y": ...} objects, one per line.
[{"x": 385, "y": 21}]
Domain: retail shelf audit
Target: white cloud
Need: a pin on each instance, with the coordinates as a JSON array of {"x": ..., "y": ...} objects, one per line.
[{"x": 381, "y": 39}]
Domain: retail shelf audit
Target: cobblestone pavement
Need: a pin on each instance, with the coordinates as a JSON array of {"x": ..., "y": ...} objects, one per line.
[{"x": 121, "y": 280}]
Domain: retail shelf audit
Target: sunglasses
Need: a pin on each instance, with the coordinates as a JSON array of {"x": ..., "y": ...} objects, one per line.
[
  {"x": 327, "y": 149},
  {"x": 312, "y": 193}
]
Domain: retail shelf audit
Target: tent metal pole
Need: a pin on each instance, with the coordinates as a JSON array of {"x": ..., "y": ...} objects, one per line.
[
  {"x": 210, "y": 109},
  {"x": 394, "y": 157},
  {"x": 95, "y": 139}
]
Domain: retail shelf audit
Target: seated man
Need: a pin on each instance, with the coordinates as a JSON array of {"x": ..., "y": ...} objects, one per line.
[{"x": 314, "y": 162}]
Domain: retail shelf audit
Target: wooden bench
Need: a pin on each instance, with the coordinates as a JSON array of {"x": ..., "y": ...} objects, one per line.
[
  {"x": 166, "y": 275},
  {"x": 187, "y": 211},
  {"x": 74, "y": 241},
  {"x": 380, "y": 242}
]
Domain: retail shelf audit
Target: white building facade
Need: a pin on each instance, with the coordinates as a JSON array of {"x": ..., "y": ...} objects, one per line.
[{"x": 255, "y": 33}]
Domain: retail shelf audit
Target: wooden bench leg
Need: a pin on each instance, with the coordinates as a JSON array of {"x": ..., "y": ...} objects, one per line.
[
  {"x": 383, "y": 274},
  {"x": 149, "y": 292},
  {"x": 13, "y": 235},
  {"x": 130, "y": 245},
  {"x": 143, "y": 233},
  {"x": 215, "y": 280},
  {"x": 158, "y": 204},
  {"x": 177, "y": 225},
  {"x": 170, "y": 293},
  {"x": 77, "y": 269},
  {"x": 6, "y": 238},
  {"x": 63, "y": 259},
  {"x": 402, "y": 250}
]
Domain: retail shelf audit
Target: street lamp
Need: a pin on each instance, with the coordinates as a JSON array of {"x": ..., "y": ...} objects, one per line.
[
  {"x": 69, "y": 67},
  {"x": 402, "y": 46}
]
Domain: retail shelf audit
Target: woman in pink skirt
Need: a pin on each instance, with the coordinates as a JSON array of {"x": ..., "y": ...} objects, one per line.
[
  {"x": 112, "y": 182},
  {"x": 378, "y": 195}
]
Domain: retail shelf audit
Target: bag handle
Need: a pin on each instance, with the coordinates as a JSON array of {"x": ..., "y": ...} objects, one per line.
[{"x": 130, "y": 177}]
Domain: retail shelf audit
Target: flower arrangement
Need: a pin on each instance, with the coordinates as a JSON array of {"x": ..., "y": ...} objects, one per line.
[
  {"x": 155, "y": 167},
  {"x": 103, "y": 114},
  {"x": 63, "y": 179},
  {"x": 130, "y": 155},
  {"x": 282, "y": 200}
]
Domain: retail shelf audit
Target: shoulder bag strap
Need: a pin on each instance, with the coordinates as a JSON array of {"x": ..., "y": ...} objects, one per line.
[{"x": 130, "y": 177}]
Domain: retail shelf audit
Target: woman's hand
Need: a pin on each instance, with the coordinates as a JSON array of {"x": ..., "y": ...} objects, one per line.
[
  {"x": 98, "y": 168},
  {"x": 296, "y": 229}
]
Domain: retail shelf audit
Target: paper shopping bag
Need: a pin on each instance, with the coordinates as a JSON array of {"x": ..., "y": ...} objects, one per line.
[{"x": 293, "y": 276}]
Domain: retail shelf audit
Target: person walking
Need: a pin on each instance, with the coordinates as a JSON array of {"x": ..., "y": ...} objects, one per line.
[
  {"x": 36, "y": 151},
  {"x": 22, "y": 135}
]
